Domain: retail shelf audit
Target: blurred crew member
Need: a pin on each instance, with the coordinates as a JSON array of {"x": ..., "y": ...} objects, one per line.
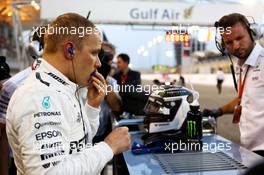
[
  {"x": 126, "y": 76},
  {"x": 220, "y": 77},
  {"x": 112, "y": 100}
]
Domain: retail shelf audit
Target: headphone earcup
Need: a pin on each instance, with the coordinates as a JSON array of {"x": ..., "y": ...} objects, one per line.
[
  {"x": 70, "y": 51},
  {"x": 252, "y": 31}
]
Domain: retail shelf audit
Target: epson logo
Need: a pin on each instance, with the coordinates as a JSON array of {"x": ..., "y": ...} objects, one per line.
[
  {"x": 45, "y": 114},
  {"x": 57, "y": 78},
  {"x": 50, "y": 155},
  {"x": 48, "y": 134}
]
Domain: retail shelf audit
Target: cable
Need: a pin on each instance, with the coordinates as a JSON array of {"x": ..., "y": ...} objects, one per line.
[
  {"x": 77, "y": 96},
  {"x": 233, "y": 72}
]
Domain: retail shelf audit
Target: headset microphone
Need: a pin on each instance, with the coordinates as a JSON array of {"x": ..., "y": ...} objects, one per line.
[{"x": 219, "y": 42}]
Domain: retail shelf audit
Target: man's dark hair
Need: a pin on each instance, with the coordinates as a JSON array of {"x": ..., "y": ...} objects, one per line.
[
  {"x": 105, "y": 56},
  {"x": 234, "y": 18},
  {"x": 124, "y": 57}
]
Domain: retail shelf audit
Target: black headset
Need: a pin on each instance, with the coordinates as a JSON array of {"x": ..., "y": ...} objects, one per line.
[{"x": 220, "y": 45}]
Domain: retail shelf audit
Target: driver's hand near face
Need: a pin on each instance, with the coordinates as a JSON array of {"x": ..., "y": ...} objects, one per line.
[{"x": 97, "y": 90}]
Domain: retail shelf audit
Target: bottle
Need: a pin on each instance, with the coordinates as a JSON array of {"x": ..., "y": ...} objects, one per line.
[{"x": 194, "y": 123}]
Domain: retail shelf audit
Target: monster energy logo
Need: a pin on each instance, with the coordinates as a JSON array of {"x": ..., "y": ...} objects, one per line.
[{"x": 191, "y": 129}]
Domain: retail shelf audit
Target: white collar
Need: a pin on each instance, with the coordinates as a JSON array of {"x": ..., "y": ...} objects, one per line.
[
  {"x": 253, "y": 56},
  {"x": 60, "y": 79}
]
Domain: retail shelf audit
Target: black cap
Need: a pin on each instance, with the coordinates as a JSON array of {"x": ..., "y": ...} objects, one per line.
[{"x": 4, "y": 69}]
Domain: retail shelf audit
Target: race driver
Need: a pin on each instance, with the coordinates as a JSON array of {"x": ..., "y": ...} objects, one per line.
[{"x": 49, "y": 127}]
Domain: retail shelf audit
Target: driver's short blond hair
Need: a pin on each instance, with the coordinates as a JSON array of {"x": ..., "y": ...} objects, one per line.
[{"x": 65, "y": 28}]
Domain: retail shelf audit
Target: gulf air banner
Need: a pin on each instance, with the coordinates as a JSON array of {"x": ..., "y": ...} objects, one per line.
[{"x": 147, "y": 12}]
